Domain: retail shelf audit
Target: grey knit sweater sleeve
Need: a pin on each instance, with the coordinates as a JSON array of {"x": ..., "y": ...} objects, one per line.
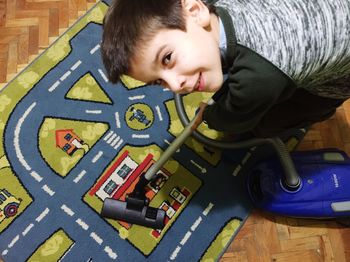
[{"x": 309, "y": 40}]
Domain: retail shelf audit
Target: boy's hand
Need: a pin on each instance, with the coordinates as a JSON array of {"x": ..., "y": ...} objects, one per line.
[{"x": 199, "y": 115}]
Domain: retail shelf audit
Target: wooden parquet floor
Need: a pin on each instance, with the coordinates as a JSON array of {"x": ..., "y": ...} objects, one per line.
[{"x": 27, "y": 27}]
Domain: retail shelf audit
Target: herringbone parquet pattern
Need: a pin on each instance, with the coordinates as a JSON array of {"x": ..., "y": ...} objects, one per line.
[{"x": 28, "y": 26}]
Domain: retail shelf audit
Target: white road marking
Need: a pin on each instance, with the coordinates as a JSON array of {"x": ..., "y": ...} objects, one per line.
[
  {"x": 27, "y": 229},
  {"x": 82, "y": 224},
  {"x": 54, "y": 86},
  {"x": 95, "y": 112},
  {"x": 136, "y": 97},
  {"x": 16, "y": 137},
  {"x": 95, "y": 237},
  {"x": 189, "y": 233},
  {"x": 97, "y": 157},
  {"x": 65, "y": 75},
  {"x": 185, "y": 238},
  {"x": 202, "y": 169},
  {"x": 118, "y": 145},
  {"x": 93, "y": 50},
  {"x": 246, "y": 157},
  {"x": 111, "y": 138},
  {"x": 175, "y": 253},
  {"x": 108, "y": 135},
  {"x": 42, "y": 215},
  {"x": 110, "y": 252},
  {"x": 76, "y": 65},
  {"x": 115, "y": 141},
  {"x": 79, "y": 176},
  {"x": 236, "y": 171},
  {"x": 117, "y": 120},
  {"x": 140, "y": 136},
  {"x": 36, "y": 176},
  {"x": 103, "y": 75},
  {"x": 13, "y": 241},
  {"x": 48, "y": 190},
  {"x": 196, "y": 223},
  {"x": 244, "y": 160},
  {"x": 67, "y": 210},
  {"x": 208, "y": 208},
  {"x": 159, "y": 113}
]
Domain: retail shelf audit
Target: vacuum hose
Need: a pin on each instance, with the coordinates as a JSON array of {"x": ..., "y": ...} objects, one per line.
[
  {"x": 292, "y": 179},
  {"x": 135, "y": 208}
]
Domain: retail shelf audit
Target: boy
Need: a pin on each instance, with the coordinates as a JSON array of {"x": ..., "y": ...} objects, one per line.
[{"x": 287, "y": 62}]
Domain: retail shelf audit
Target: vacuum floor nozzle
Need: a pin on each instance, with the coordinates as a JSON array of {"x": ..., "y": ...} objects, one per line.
[{"x": 141, "y": 215}]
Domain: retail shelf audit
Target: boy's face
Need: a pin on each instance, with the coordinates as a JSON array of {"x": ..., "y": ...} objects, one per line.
[{"x": 184, "y": 62}]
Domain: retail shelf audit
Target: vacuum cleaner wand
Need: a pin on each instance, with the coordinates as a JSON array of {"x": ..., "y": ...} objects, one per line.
[
  {"x": 135, "y": 209},
  {"x": 170, "y": 150}
]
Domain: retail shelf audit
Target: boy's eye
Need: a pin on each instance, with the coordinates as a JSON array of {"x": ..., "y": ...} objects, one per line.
[{"x": 166, "y": 59}]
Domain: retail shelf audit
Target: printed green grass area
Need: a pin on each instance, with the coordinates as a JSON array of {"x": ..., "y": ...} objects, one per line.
[
  {"x": 221, "y": 241},
  {"x": 131, "y": 83},
  {"x": 88, "y": 89},
  {"x": 141, "y": 237},
  {"x": 4, "y": 163},
  {"x": 53, "y": 248},
  {"x": 144, "y": 121},
  {"x": 10, "y": 182},
  {"x": 57, "y": 159}
]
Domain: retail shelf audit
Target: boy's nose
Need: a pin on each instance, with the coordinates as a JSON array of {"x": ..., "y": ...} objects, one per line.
[{"x": 176, "y": 83}]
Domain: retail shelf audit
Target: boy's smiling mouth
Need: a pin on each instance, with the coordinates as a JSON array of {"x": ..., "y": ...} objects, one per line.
[{"x": 200, "y": 83}]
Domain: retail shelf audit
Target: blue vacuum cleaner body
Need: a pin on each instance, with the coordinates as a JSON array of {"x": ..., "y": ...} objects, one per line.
[{"x": 323, "y": 192}]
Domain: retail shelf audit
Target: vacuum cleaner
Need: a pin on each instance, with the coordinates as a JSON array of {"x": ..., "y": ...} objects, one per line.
[
  {"x": 323, "y": 192},
  {"x": 308, "y": 184}
]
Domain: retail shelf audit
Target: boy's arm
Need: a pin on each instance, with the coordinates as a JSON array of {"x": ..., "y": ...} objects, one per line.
[{"x": 253, "y": 86}]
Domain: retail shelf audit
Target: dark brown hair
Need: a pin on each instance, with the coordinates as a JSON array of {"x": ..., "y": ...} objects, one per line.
[{"x": 128, "y": 23}]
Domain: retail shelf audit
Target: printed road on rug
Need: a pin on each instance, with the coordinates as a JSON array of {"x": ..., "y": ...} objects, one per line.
[{"x": 70, "y": 139}]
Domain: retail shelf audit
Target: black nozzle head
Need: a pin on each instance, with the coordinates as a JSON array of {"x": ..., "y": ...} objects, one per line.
[{"x": 143, "y": 215}]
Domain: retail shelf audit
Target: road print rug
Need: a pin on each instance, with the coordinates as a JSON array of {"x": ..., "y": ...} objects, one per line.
[{"x": 70, "y": 139}]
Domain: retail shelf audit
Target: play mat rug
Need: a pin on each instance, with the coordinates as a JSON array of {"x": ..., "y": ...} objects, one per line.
[{"x": 70, "y": 139}]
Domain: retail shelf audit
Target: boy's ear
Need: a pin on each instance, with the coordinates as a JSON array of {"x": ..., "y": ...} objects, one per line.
[{"x": 197, "y": 10}]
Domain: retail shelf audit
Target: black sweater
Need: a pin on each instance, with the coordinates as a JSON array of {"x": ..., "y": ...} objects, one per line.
[{"x": 253, "y": 86}]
